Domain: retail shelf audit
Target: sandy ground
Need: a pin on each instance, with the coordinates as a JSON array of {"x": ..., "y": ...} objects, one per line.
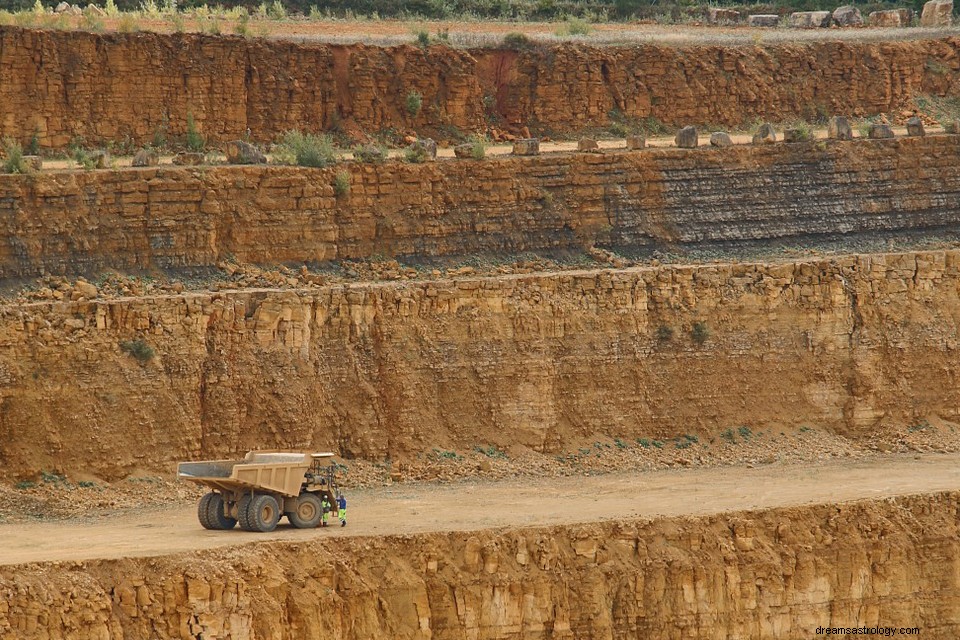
[{"x": 467, "y": 506}]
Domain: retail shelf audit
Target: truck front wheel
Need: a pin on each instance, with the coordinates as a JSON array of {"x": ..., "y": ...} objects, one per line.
[
  {"x": 262, "y": 513},
  {"x": 308, "y": 512}
]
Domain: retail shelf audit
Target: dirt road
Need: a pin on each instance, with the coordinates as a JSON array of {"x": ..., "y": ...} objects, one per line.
[{"x": 468, "y": 506}]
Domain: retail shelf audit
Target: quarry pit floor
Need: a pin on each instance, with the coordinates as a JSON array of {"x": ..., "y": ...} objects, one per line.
[{"x": 478, "y": 505}]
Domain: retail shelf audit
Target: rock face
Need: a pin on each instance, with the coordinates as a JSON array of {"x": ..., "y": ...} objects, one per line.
[
  {"x": 915, "y": 127},
  {"x": 879, "y": 131},
  {"x": 838, "y": 128},
  {"x": 233, "y": 369},
  {"x": 526, "y": 147},
  {"x": 892, "y": 18},
  {"x": 766, "y": 134},
  {"x": 718, "y": 15},
  {"x": 636, "y": 142},
  {"x": 240, "y": 152},
  {"x": 937, "y": 13},
  {"x": 720, "y": 139},
  {"x": 763, "y": 20},
  {"x": 686, "y": 138},
  {"x": 719, "y": 576},
  {"x": 310, "y": 86},
  {"x": 810, "y": 19},
  {"x": 847, "y": 16},
  {"x": 171, "y": 218}
]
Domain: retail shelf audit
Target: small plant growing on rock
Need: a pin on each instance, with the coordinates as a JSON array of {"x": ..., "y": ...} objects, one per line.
[
  {"x": 341, "y": 183},
  {"x": 414, "y": 103},
  {"x": 13, "y": 161},
  {"x": 664, "y": 333},
  {"x": 305, "y": 150},
  {"x": 23, "y": 485},
  {"x": 84, "y": 159},
  {"x": 700, "y": 333},
  {"x": 415, "y": 154},
  {"x": 370, "y": 154},
  {"x": 423, "y": 39},
  {"x": 139, "y": 349},
  {"x": 478, "y": 149},
  {"x": 33, "y": 147},
  {"x": 195, "y": 141}
]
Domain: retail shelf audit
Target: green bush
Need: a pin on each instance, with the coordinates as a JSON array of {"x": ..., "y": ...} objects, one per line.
[
  {"x": 414, "y": 103},
  {"x": 700, "y": 333},
  {"x": 423, "y": 39},
  {"x": 370, "y": 154},
  {"x": 13, "y": 161},
  {"x": 664, "y": 333},
  {"x": 516, "y": 42},
  {"x": 195, "y": 141},
  {"x": 415, "y": 154},
  {"x": 478, "y": 148},
  {"x": 139, "y": 349},
  {"x": 341, "y": 183},
  {"x": 305, "y": 150},
  {"x": 574, "y": 27}
]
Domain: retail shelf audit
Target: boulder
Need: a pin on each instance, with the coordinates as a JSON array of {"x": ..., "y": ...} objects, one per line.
[
  {"x": 794, "y": 134},
  {"x": 839, "y": 128},
  {"x": 687, "y": 138},
  {"x": 587, "y": 144},
  {"x": 720, "y": 139},
  {"x": 240, "y": 152},
  {"x": 847, "y": 16},
  {"x": 880, "y": 131},
  {"x": 891, "y": 18},
  {"x": 951, "y": 127},
  {"x": 810, "y": 19},
  {"x": 464, "y": 150},
  {"x": 34, "y": 163},
  {"x": 636, "y": 142},
  {"x": 715, "y": 15},
  {"x": 937, "y": 13},
  {"x": 426, "y": 147},
  {"x": 86, "y": 289},
  {"x": 146, "y": 158},
  {"x": 763, "y": 20},
  {"x": 189, "y": 158},
  {"x": 100, "y": 159},
  {"x": 63, "y": 7},
  {"x": 766, "y": 134},
  {"x": 915, "y": 127},
  {"x": 526, "y": 147}
]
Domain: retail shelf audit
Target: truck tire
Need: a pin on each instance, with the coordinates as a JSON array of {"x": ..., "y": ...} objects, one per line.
[
  {"x": 215, "y": 516},
  {"x": 203, "y": 510},
  {"x": 263, "y": 512},
  {"x": 308, "y": 513},
  {"x": 243, "y": 506}
]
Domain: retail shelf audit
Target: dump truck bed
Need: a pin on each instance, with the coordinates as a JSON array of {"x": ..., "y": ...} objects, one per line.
[{"x": 274, "y": 472}]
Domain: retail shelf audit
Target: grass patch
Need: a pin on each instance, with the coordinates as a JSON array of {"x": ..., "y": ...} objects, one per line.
[
  {"x": 491, "y": 451},
  {"x": 341, "y": 183},
  {"x": 574, "y": 27},
  {"x": 194, "y": 140},
  {"x": 139, "y": 349},
  {"x": 23, "y": 485},
  {"x": 13, "y": 161}
]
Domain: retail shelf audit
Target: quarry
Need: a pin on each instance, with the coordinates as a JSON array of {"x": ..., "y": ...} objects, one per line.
[{"x": 588, "y": 368}]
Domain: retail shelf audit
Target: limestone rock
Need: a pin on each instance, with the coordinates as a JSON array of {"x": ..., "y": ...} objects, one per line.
[
  {"x": 241, "y": 152},
  {"x": 100, "y": 158},
  {"x": 766, "y": 134},
  {"x": 636, "y": 142},
  {"x": 892, "y": 18},
  {"x": 145, "y": 158},
  {"x": 879, "y": 131},
  {"x": 190, "y": 158},
  {"x": 838, "y": 128},
  {"x": 951, "y": 126},
  {"x": 937, "y": 13},
  {"x": 526, "y": 147},
  {"x": 763, "y": 20},
  {"x": 86, "y": 289},
  {"x": 794, "y": 134},
  {"x": 810, "y": 19},
  {"x": 717, "y": 15},
  {"x": 426, "y": 147},
  {"x": 847, "y": 16},
  {"x": 587, "y": 144},
  {"x": 94, "y": 11},
  {"x": 915, "y": 127},
  {"x": 463, "y": 150},
  {"x": 35, "y": 163},
  {"x": 720, "y": 139},
  {"x": 687, "y": 138}
]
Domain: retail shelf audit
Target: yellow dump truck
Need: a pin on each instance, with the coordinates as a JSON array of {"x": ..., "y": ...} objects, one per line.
[{"x": 258, "y": 490}]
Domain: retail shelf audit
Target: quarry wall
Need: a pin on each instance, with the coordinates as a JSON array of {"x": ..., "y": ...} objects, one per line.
[
  {"x": 127, "y": 87},
  {"x": 859, "y": 345},
  {"x": 770, "y": 574},
  {"x": 171, "y": 218}
]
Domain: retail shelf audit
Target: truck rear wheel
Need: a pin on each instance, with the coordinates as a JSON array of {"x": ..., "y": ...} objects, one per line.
[
  {"x": 215, "y": 515},
  {"x": 308, "y": 512},
  {"x": 203, "y": 509},
  {"x": 261, "y": 514}
]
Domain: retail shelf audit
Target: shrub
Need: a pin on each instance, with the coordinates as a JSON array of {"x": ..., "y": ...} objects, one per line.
[
  {"x": 33, "y": 147},
  {"x": 415, "y": 154},
  {"x": 414, "y": 103},
  {"x": 110, "y": 8},
  {"x": 574, "y": 27},
  {"x": 195, "y": 141},
  {"x": 25, "y": 484},
  {"x": 277, "y": 11},
  {"x": 516, "y": 42},
  {"x": 664, "y": 333},
  {"x": 139, "y": 349},
  {"x": 13, "y": 161},
  {"x": 242, "y": 27},
  {"x": 92, "y": 22},
  {"x": 127, "y": 24},
  {"x": 478, "y": 148},
  {"x": 341, "y": 183},
  {"x": 700, "y": 332},
  {"x": 423, "y": 39},
  {"x": 84, "y": 159},
  {"x": 370, "y": 154},
  {"x": 305, "y": 150}
]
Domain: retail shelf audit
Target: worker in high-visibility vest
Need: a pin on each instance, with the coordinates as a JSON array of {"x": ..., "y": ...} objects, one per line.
[
  {"x": 342, "y": 509},
  {"x": 325, "y": 507}
]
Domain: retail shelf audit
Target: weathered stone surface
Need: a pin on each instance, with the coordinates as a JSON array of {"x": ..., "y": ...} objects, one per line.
[
  {"x": 793, "y": 134},
  {"x": 766, "y": 134},
  {"x": 915, "y": 127},
  {"x": 951, "y": 127},
  {"x": 718, "y": 15},
  {"x": 720, "y": 139},
  {"x": 463, "y": 150},
  {"x": 241, "y": 152},
  {"x": 879, "y": 131},
  {"x": 427, "y": 147},
  {"x": 636, "y": 142},
  {"x": 838, "y": 128},
  {"x": 35, "y": 163},
  {"x": 587, "y": 144},
  {"x": 100, "y": 158},
  {"x": 891, "y": 18},
  {"x": 847, "y": 16},
  {"x": 937, "y": 13},
  {"x": 810, "y": 19},
  {"x": 526, "y": 147},
  {"x": 686, "y": 138},
  {"x": 146, "y": 158},
  {"x": 189, "y": 158},
  {"x": 763, "y": 20},
  {"x": 86, "y": 290}
]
